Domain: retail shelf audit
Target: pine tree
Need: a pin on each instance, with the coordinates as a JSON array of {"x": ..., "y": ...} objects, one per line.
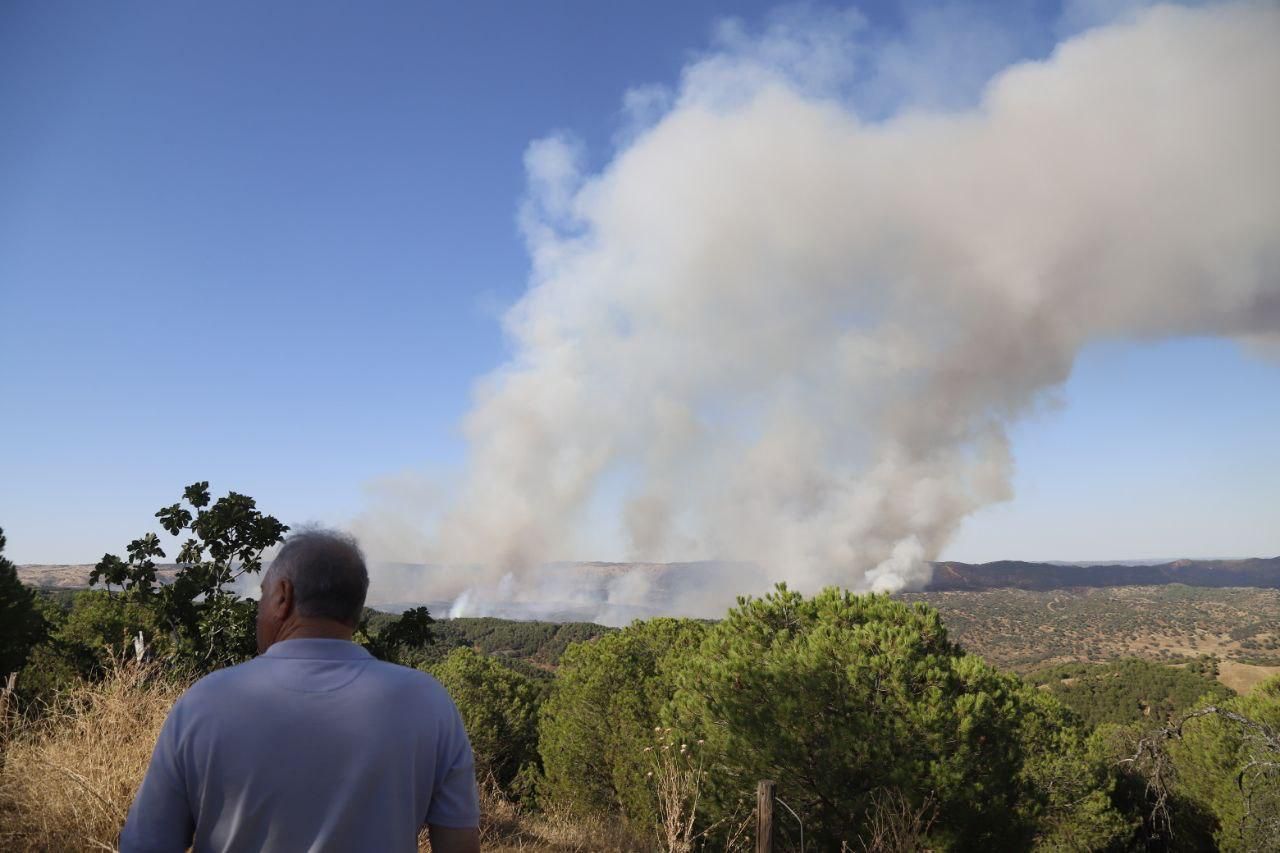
[{"x": 21, "y": 625}]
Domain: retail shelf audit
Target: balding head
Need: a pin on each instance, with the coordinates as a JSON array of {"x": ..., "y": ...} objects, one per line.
[
  {"x": 317, "y": 583},
  {"x": 328, "y": 574}
]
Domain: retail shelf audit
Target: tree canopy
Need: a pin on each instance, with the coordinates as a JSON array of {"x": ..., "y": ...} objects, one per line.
[
  {"x": 208, "y": 624},
  {"x": 841, "y": 698},
  {"x": 1227, "y": 763},
  {"x": 1129, "y": 691},
  {"x": 607, "y": 697},
  {"x": 21, "y": 624},
  {"x": 499, "y": 708}
]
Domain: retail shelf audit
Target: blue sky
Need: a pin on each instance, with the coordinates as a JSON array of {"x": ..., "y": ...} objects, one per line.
[{"x": 268, "y": 245}]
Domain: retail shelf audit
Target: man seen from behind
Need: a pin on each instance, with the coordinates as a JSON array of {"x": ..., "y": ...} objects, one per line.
[{"x": 315, "y": 744}]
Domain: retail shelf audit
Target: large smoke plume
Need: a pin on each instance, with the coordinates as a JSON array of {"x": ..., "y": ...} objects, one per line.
[{"x": 774, "y": 330}]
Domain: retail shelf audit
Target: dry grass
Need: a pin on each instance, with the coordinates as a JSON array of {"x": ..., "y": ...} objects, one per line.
[
  {"x": 68, "y": 780},
  {"x": 894, "y": 825},
  {"x": 1243, "y": 677},
  {"x": 504, "y": 828},
  {"x": 677, "y": 776}
]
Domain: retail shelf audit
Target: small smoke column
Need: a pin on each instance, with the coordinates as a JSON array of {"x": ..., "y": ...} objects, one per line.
[{"x": 771, "y": 331}]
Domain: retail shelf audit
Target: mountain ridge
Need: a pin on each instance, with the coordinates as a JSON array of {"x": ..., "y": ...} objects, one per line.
[{"x": 951, "y": 575}]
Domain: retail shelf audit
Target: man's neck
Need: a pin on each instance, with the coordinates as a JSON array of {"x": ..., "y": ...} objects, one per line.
[{"x": 305, "y": 628}]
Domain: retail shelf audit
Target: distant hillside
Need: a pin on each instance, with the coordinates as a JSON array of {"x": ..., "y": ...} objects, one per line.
[
  {"x": 55, "y": 576},
  {"x": 668, "y": 580},
  {"x": 1130, "y": 690},
  {"x": 1023, "y": 629},
  {"x": 1013, "y": 574}
]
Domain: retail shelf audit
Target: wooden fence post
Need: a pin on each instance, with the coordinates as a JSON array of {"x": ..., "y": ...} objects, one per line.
[{"x": 764, "y": 816}]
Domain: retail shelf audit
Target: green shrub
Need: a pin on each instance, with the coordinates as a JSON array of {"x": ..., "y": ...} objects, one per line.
[
  {"x": 841, "y": 698},
  {"x": 605, "y": 701},
  {"x": 21, "y": 624},
  {"x": 499, "y": 708}
]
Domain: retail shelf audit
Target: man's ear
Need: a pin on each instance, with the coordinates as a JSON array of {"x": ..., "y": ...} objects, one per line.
[{"x": 283, "y": 599}]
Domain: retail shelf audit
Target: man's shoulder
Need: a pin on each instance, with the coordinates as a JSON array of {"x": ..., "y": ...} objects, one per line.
[
  {"x": 401, "y": 683},
  {"x": 394, "y": 675},
  {"x": 215, "y": 683}
]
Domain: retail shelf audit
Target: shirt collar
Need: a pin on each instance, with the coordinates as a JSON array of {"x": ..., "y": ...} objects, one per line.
[{"x": 317, "y": 649}]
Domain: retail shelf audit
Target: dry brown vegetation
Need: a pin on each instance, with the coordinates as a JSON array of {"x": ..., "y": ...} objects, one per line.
[
  {"x": 67, "y": 781},
  {"x": 72, "y": 575},
  {"x": 1243, "y": 677},
  {"x": 504, "y": 828}
]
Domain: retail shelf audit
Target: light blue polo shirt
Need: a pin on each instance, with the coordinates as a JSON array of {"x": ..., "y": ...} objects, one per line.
[{"x": 315, "y": 745}]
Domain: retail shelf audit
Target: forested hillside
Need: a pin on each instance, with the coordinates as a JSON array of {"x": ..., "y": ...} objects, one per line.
[
  {"x": 541, "y": 643},
  {"x": 1131, "y": 691}
]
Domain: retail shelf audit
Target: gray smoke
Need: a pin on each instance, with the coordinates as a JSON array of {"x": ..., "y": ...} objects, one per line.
[{"x": 773, "y": 331}]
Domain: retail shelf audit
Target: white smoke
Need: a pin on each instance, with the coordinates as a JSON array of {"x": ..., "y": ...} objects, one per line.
[{"x": 773, "y": 331}]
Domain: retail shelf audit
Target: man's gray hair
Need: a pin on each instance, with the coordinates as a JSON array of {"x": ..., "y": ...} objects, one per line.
[{"x": 328, "y": 574}]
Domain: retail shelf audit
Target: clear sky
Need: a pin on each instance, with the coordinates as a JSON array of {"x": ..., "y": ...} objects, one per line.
[{"x": 268, "y": 245}]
